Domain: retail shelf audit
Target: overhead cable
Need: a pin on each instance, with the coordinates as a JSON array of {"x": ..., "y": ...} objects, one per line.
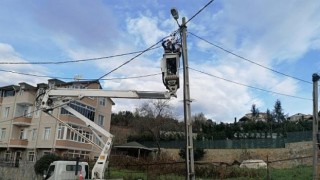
[
  {"x": 79, "y": 60},
  {"x": 55, "y": 77},
  {"x": 249, "y": 86},
  {"x": 132, "y": 58},
  {"x": 200, "y": 10},
  {"x": 246, "y": 59}
]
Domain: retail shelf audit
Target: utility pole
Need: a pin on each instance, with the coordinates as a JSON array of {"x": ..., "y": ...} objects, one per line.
[
  {"x": 315, "y": 79},
  {"x": 190, "y": 173},
  {"x": 186, "y": 103}
]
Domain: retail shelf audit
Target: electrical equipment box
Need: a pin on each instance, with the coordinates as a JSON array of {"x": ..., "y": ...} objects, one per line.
[{"x": 170, "y": 72}]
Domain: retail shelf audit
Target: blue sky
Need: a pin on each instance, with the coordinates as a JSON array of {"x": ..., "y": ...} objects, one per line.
[{"x": 281, "y": 35}]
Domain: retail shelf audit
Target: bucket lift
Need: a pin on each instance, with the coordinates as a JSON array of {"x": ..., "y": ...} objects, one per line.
[{"x": 170, "y": 71}]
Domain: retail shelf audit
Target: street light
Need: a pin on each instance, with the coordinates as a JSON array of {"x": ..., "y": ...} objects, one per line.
[
  {"x": 190, "y": 173},
  {"x": 174, "y": 13}
]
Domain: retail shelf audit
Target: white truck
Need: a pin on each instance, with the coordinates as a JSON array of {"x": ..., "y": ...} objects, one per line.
[
  {"x": 67, "y": 170},
  {"x": 52, "y": 98}
]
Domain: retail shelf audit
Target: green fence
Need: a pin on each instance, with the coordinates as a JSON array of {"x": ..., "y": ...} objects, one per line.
[{"x": 278, "y": 142}]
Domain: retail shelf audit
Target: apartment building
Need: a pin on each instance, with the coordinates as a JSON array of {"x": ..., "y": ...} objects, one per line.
[{"x": 27, "y": 134}]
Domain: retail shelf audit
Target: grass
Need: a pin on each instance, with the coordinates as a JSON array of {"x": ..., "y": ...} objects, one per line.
[{"x": 299, "y": 172}]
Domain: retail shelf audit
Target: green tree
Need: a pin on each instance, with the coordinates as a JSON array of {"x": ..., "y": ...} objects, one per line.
[
  {"x": 278, "y": 112},
  {"x": 43, "y": 163},
  {"x": 198, "y": 153},
  {"x": 254, "y": 112}
]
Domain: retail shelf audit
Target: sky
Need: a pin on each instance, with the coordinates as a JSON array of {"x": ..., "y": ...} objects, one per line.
[{"x": 238, "y": 51}]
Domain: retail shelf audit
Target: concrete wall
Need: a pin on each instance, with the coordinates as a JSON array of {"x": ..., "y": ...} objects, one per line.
[
  {"x": 24, "y": 172},
  {"x": 291, "y": 151}
]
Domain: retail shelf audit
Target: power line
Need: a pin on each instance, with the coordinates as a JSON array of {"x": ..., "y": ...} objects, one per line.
[
  {"x": 106, "y": 79},
  {"x": 246, "y": 59},
  {"x": 252, "y": 87},
  {"x": 79, "y": 60},
  {"x": 131, "y": 59},
  {"x": 200, "y": 10}
]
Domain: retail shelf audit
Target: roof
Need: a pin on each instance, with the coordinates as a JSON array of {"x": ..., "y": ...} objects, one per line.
[
  {"x": 133, "y": 145},
  {"x": 10, "y": 87}
]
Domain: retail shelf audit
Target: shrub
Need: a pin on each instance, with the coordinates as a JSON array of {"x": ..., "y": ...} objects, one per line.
[
  {"x": 43, "y": 163},
  {"x": 198, "y": 153}
]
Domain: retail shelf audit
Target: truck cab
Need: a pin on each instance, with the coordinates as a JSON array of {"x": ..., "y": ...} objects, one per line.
[{"x": 66, "y": 170}]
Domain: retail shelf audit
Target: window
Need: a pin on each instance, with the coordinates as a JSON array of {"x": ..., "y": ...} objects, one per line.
[
  {"x": 31, "y": 156},
  {"x": 50, "y": 171},
  {"x": 102, "y": 101},
  {"x": 46, "y": 134},
  {"x": 100, "y": 120},
  {"x": 60, "y": 131},
  {"x": 83, "y": 109},
  {"x": 72, "y": 168},
  {"x": 6, "y": 112},
  {"x": 7, "y": 156},
  {"x": 34, "y": 134},
  {"x": 98, "y": 141},
  {"x": 23, "y": 134},
  {"x": 2, "y": 133}
]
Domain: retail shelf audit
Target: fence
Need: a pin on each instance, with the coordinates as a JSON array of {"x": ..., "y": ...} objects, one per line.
[
  {"x": 238, "y": 143},
  {"x": 9, "y": 163},
  {"x": 300, "y": 169}
]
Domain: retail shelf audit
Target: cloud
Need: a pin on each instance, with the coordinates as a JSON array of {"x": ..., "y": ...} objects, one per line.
[
  {"x": 8, "y": 54},
  {"x": 145, "y": 29},
  {"x": 78, "y": 23}
]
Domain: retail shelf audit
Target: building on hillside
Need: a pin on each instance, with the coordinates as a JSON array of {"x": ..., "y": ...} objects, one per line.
[
  {"x": 27, "y": 134},
  {"x": 249, "y": 117},
  {"x": 300, "y": 117}
]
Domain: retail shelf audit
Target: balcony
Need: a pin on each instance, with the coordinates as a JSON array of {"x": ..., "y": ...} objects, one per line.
[
  {"x": 66, "y": 144},
  {"x": 22, "y": 121},
  {"x": 25, "y": 98},
  {"x": 20, "y": 143},
  {"x": 71, "y": 119}
]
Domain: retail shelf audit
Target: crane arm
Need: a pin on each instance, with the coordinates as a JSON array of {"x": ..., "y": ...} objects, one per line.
[{"x": 52, "y": 98}]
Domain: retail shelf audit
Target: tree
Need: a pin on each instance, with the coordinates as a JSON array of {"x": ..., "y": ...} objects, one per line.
[
  {"x": 254, "y": 112},
  {"x": 198, "y": 153},
  {"x": 154, "y": 109},
  {"x": 270, "y": 119},
  {"x": 154, "y": 117},
  {"x": 278, "y": 112},
  {"x": 122, "y": 118},
  {"x": 198, "y": 121},
  {"x": 44, "y": 162}
]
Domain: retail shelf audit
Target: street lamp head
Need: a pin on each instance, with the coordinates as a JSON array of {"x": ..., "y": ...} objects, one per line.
[{"x": 174, "y": 13}]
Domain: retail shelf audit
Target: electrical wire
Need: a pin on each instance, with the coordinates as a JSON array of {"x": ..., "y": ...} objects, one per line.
[
  {"x": 30, "y": 113},
  {"x": 200, "y": 10},
  {"x": 79, "y": 60},
  {"x": 53, "y": 77},
  {"x": 248, "y": 60},
  {"x": 252, "y": 87},
  {"x": 131, "y": 59}
]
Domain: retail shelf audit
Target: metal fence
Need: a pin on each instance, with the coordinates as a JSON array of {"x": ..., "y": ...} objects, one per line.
[{"x": 278, "y": 142}]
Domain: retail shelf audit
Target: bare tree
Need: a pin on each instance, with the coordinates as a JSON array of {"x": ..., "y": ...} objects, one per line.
[
  {"x": 155, "y": 109},
  {"x": 155, "y": 117}
]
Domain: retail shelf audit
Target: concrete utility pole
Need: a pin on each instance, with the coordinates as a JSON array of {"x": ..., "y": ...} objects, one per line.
[
  {"x": 315, "y": 79},
  {"x": 190, "y": 173},
  {"x": 187, "y": 101}
]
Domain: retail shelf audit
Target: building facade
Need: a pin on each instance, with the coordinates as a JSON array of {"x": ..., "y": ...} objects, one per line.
[{"x": 26, "y": 134}]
